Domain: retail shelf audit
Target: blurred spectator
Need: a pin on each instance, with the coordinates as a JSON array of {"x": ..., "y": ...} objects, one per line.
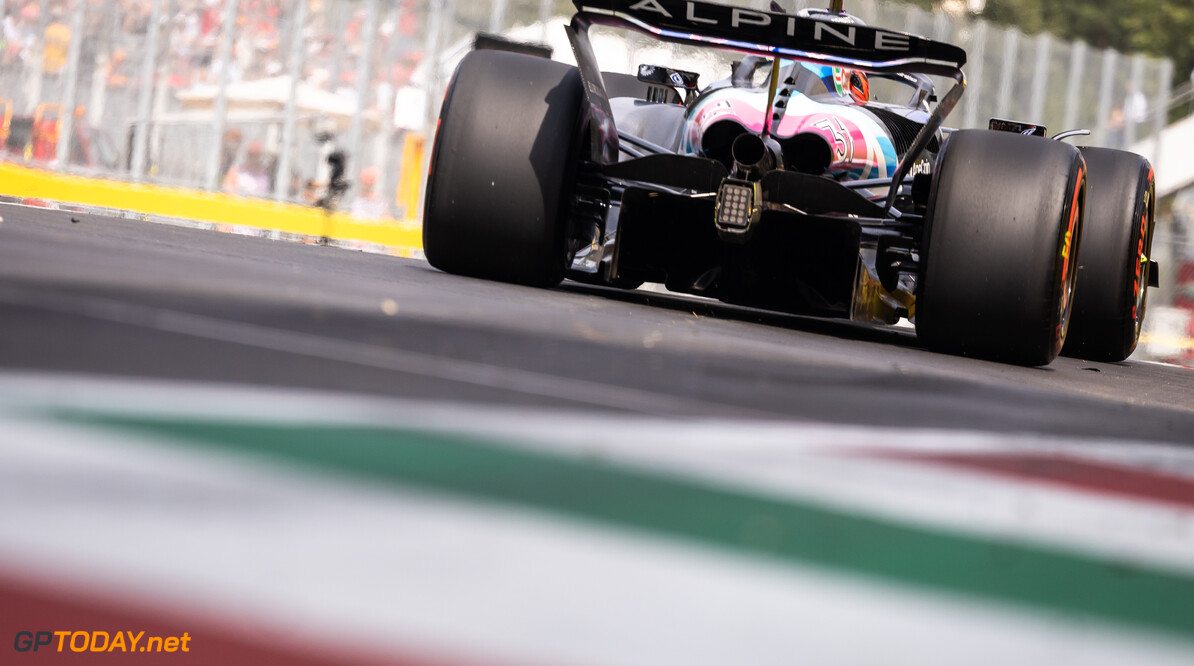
[
  {"x": 215, "y": 70},
  {"x": 229, "y": 147},
  {"x": 20, "y": 33},
  {"x": 115, "y": 73},
  {"x": 56, "y": 43},
  {"x": 209, "y": 21},
  {"x": 1115, "y": 128},
  {"x": 337, "y": 183},
  {"x": 134, "y": 18},
  {"x": 1135, "y": 106},
  {"x": 312, "y": 192},
  {"x": 252, "y": 176},
  {"x": 368, "y": 203}
]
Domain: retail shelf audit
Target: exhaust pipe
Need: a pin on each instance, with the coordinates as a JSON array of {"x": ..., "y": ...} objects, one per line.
[
  {"x": 754, "y": 156},
  {"x": 809, "y": 152}
]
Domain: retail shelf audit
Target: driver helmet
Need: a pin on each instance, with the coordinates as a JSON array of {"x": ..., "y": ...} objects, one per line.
[
  {"x": 853, "y": 83},
  {"x": 841, "y": 81}
]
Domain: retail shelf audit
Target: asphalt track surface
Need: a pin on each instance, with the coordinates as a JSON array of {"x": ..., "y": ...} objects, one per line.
[{"x": 97, "y": 295}]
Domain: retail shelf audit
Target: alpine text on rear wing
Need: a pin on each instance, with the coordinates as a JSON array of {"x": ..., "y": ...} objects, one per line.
[{"x": 773, "y": 34}]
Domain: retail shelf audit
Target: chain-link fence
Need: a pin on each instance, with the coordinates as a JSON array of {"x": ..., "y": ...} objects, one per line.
[{"x": 245, "y": 96}]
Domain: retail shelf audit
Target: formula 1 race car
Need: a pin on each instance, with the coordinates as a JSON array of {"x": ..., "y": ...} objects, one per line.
[{"x": 790, "y": 186}]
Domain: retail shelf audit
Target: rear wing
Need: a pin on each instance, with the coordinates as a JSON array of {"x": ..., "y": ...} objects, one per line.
[{"x": 774, "y": 35}]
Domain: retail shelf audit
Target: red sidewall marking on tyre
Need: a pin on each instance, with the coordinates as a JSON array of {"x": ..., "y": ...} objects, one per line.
[
  {"x": 1139, "y": 259},
  {"x": 1066, "y": 251}
]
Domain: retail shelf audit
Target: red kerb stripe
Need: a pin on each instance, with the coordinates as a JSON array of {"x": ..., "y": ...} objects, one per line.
[
  {"x": 30, "y": 607},
  {"x": 1075, "y": 473}
]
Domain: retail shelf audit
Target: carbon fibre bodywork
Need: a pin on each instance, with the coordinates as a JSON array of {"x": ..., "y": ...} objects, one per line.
[{"x": 826, "y": 221}]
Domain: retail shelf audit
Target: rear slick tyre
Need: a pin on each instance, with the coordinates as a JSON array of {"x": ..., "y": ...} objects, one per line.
[
  {"x": 502, "y": 168},
  {"x": 998, "y": 260},
  {"x": 1112, "y": 290}
]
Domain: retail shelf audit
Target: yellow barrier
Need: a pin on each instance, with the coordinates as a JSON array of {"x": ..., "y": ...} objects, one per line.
[
  {"x": 25, "y": 182},
  {"x": 411, "y": 177}
]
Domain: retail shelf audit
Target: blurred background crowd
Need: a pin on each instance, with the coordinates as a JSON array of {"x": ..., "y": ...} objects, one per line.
[{"x": 349, "y": 62}]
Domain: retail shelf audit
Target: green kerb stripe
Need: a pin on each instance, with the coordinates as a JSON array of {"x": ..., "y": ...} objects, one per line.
[{"x": 753, "y": 524}]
